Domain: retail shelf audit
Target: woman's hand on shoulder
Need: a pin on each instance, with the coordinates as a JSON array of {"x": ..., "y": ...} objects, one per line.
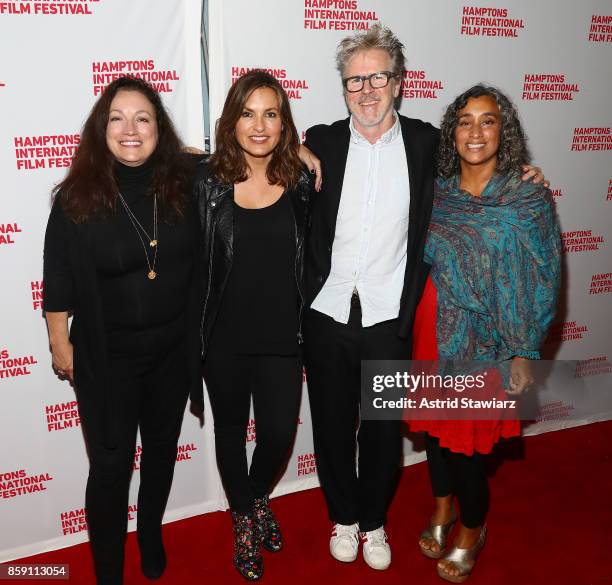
[
  {"x": 313, "y": 164},
  {"x": 193, "y": 156},
  {"x": 193, "y": 150}
]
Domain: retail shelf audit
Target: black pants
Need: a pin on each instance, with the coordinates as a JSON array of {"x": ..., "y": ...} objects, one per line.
[
  {"x": 151, "y": 392},
  {"x": 460, "y": 474},
  {"x": 333, "y": 354},
  {"x": 275, "y": 383}
]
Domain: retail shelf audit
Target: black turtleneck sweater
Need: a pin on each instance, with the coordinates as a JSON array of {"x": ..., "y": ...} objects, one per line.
[{"x": 135, "y": 308}]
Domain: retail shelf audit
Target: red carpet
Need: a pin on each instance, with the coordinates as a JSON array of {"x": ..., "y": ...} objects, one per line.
[{"x": 550, "y": 523}]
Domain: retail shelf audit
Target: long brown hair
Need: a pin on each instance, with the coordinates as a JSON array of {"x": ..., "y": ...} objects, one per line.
[
  {"x": 228, "y": 163},
  {"x": 90, "y": 188}
]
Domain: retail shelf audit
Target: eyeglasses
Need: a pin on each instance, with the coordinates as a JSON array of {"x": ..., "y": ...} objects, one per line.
[{"x": 376, "y": 80}]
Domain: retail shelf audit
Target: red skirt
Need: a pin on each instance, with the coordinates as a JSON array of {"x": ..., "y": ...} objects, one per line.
[{"x": 461, "y": 436}]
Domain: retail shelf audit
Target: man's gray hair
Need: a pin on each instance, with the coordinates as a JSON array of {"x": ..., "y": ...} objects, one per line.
[{"x": 377, "y": 37}]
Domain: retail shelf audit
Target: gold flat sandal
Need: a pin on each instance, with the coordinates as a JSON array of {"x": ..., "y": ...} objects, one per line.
[
  {"x": 463, "y": 559},
  {"x": 438, "y": 533}
]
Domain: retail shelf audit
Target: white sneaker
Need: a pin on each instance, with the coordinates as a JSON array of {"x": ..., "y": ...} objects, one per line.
[
  {"x": 344, "y": 542},
  {"x": 376, "y": 550}
]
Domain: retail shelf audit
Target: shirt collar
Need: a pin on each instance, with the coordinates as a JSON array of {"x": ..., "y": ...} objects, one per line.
[{"x": 388, "y": 137}]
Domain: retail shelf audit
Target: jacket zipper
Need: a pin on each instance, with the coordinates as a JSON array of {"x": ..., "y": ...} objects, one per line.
[
  {"x": 212, "y": 239},
  {"x": 298, "y": 246}
]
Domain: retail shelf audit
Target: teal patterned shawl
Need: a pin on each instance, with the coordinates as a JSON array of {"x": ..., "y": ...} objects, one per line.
[{"x": 496, "y": 265}]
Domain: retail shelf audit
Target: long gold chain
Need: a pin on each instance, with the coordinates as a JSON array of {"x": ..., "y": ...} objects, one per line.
[{"x": 152, "y": 240}]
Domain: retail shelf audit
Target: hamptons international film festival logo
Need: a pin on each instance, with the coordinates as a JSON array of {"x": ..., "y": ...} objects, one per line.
[
  {"x": 75, "y": 521},
  {"x": 592, "y": 139},
  {"x": 479, "y": 21},
  {"x": 555, "y": 411},
  {"x": 601, "y": 284},
  {"x": 600, "y": 28},
  {"x": 343, "y": 15},
  {"x": 45, "y": 151},
  {"x": 36, "y": 292},
  {"x": 251, "y": 435},
  {"x": 9, "y": 233},
  {"x": 14, "y": 484},
  {"x": 595, "y": 366},
  {"x": 577, "y": 241},
  {"x": 566, "y": 331},
  {"x": 305, "y": 464},
  {"x": 15, "y": 366},
  {"x": 104, "y": 72},
  {"x": 557, "y": 193},
  {"x": 417, "y": 84},
  {"x": 551, "y": 87},
  {"x": 251, "y": 431},
  {"x": 609, "y": 193},
  {"x": 294, "y": 88},
  {"x": 62, "y": 415},
  {"x": 49, "y": 7}
]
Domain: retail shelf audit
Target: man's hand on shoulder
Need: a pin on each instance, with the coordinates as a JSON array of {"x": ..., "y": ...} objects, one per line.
[{"x": 313, "y": 164}]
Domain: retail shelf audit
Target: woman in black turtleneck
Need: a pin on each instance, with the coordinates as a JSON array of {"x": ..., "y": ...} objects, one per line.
[{"x": 120, "y": 256}]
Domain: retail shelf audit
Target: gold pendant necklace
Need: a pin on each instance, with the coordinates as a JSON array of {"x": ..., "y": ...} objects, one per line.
[{"x": 151, "y": 275}]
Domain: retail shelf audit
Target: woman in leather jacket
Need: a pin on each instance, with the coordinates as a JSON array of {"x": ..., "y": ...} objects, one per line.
[{"x": 253, "y": 196}]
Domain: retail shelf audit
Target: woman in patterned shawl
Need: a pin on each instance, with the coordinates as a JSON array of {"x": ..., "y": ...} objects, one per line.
[{"x": 495, "y": 252}]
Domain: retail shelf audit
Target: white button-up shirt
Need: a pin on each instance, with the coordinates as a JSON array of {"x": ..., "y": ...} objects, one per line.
[{"x": 369, "y": 250}]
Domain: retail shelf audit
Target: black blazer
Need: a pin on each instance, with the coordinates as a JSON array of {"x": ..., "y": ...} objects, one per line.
[{"x": 331, "y": 145}]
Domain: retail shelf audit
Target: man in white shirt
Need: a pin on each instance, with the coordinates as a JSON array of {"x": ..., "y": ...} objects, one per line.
[{"x": 364, "y": 276}]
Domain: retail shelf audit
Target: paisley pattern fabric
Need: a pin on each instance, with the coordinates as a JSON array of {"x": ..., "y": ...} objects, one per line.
[
  {"x": 496, "y": 266},
  {"x": 491, "y": 293}
]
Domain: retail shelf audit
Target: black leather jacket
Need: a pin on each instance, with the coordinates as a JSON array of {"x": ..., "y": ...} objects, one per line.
[{"x": 215, "y": 205}]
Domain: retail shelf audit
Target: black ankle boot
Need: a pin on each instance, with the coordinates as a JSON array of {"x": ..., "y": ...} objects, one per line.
[
  {"x": 267, "y": 526},
  {"x": 247, "y": 555},
  {"x": 152, "y": 556}
]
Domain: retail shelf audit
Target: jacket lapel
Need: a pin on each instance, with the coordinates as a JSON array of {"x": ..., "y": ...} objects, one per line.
[
  {"x": 221, "y": 213},
  {"x": 299, "y": 204},
  {"x": 415, "y": 176},
  {"x": 334, "y": 172}
]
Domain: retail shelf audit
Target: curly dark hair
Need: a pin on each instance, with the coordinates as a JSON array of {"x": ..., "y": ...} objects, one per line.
[
  {"x": 512, "y": 151},
  {"x": 228, "y": 162},
  {"x": 90, "y": 188}
]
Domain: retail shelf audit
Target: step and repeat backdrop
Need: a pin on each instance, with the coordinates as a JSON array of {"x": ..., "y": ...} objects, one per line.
[{"x": 553, "y": 59}]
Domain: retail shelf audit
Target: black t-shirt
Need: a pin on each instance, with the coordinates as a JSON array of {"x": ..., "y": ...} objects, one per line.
[
  {"x": 259, "y": 309},
  {"x": 133, "y": 305}
]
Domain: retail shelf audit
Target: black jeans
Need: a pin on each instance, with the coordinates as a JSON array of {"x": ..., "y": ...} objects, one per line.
[
  {"x": 275, "y": 383},
  {"x": 151, "y": 393},
  {"x": 333, "y": 354},
  {"x": 460, "y": 474}
]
